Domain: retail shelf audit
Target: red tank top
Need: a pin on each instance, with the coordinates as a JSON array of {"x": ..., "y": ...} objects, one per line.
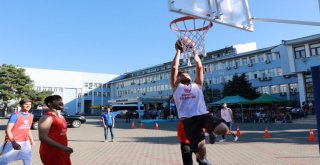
[
  {"x": 21, "y": 128},
  {"x": 57, "y": 132},
  {"x": 181, "y": 134}
]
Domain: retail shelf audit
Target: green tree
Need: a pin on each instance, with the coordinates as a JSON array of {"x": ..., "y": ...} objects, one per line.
[
  {"x": 14, "y": 85},
  {"x": 239, "y": 85},
  {"x": 38, "y": 97}
]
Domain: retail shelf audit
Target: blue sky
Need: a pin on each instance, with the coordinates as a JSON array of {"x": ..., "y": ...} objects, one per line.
[{"x": 106, "y": 36}]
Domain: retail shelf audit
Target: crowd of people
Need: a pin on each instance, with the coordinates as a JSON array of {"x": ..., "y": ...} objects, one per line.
[{"x": 274, "y": 114}]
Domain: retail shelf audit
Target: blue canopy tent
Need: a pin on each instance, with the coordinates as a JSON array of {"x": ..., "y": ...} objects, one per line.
[{"x": 232, "y": 100}]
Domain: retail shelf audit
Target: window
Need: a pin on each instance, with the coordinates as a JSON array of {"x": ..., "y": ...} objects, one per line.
[
  {"x": 216, "y": 67},
  {"x": 272, "y": 72},
  {"x": 279, "y": 72},
  {"x": 276, "y": 55},
  {"x": 269, "y": 57},
  {"x": 252, "y": 59},
  {"x": 228, "y": 63},
  {"x": 237, "y": 62},
  {"x": 293, "y": 87},
  {"x": 223, "y": 65},
  {"x": 261, "y": 58},
  {"x": 265, "y": 89},
  {"x": 315, "y": 49},
  {"x": 261, "y": 73},
  {"x": 299, "y": 52},
  {"x": 247, "y": 74},
  {"x": 283, "y": 88},
  {"x": 214, "y": 80},
  {"x": 244, "y": 61},
  {"x": 274, "y": 89}
]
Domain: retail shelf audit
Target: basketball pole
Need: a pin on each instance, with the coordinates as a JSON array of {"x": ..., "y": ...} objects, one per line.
[
  {"x": 287, "y": 21},
  {"x": 319, "y": 4},
  {"x": 315, "y": 72}
]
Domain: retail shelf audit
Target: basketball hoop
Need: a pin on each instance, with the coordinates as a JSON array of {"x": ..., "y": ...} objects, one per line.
[{"x": 194, "y": 29}]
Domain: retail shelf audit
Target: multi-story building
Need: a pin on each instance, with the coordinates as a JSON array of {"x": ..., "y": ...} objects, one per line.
[
  {"x": 81, "y": 91},
  {"x": 282, "y": 71}
]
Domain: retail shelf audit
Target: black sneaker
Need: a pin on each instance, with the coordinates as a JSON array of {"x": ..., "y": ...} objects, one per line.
[
  {"x": 203, "y": 162},
  {"x": 212, "y": 138}
]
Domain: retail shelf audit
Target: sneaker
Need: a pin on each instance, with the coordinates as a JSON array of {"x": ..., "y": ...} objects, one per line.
[
  {"x": 112, "y": 140},
  {"x": 212, "y": 138},
  {"x": 235, "y": 138},
  {"x": 222, "y": 140},
  {"x": 106, "y": 141},
  {"x": 203, "y": 162}
]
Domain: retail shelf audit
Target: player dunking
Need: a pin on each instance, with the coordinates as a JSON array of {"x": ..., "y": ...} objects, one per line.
[{"x": 191, "y": 107}]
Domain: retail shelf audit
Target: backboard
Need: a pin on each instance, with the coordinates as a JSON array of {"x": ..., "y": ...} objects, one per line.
[{"x": 234, "y": 13}]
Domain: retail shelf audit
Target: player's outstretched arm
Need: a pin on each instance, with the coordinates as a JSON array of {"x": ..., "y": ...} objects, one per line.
[
  {"x": 175, "y": 67},
  {"x": 199, "y": 70}
]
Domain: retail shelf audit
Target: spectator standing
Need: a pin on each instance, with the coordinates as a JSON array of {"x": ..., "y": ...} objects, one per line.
[
  {"x": 227, "y": 115},
  {"x": 128, "y": 116},
  {"x": 108, "y": 123}
]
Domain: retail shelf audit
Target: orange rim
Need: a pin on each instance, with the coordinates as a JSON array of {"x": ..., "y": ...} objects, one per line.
[{"x": 185, "y": 19}]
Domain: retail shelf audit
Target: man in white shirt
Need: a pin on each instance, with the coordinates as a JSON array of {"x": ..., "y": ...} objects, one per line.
[
  {"x": 189, "y": 100},
  {"x": 227, "y": 115}
]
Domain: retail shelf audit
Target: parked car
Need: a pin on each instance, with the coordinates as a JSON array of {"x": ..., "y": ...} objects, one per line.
[{"x": 73, "y": 121}]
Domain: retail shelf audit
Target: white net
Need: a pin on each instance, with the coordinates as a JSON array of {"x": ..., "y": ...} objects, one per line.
[{"x": 192, "y": 33}]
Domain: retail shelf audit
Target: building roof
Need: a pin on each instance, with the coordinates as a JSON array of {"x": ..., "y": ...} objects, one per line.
[{"x": 301, "y": 40}]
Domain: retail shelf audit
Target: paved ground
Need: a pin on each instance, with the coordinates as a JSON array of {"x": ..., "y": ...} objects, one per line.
[{"x": 288, "y": 145}]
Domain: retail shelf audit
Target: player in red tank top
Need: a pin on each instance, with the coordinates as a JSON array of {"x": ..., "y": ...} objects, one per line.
[
  {"x": 185, "y": 147},
  {"x": 53, "y": 134}
]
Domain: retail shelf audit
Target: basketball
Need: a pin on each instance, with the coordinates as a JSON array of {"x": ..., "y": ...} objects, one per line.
[
  {"x": 179, "y": 45},
  {"x": 187, "y": 43}
]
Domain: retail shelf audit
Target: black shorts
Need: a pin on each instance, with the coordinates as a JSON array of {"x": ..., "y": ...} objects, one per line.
[{"x": 193, "y": 127}]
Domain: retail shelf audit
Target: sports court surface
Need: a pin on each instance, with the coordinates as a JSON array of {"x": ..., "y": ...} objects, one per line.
[{"x": 288, "y": 145}]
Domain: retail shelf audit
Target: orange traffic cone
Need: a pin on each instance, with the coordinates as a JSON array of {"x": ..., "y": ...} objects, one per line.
[
  {"x": 266, "y": 133},
  {"x": 157, "y": 126},
  {"x": 311, "y": 136},
  {"x": 132, "y": 125},
  {"x": 141, "y": 125},
  {"x": 238, "y": 131}
]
